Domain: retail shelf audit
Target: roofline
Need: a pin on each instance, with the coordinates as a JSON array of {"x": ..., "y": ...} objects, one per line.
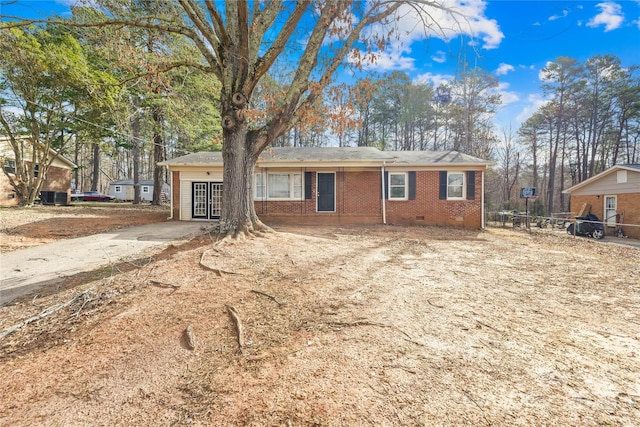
[
  {"x": 336, "y": 163},
  {"x": 599, "y": 176},
  {"x": 51, "y": 150}
]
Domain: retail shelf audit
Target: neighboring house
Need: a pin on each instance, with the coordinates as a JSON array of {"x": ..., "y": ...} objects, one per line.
[
  {"x": 340, "y": 186},
  {"x": 613, "y": 195},
  {"x": 123, "y": 190},
  {"x": 57, "y": 180}
]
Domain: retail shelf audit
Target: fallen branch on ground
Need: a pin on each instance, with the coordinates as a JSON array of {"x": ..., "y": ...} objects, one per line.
[
  {"x": 434, "y": 305},
  {"x": 49, "y": 311},
  {"x": 238, "y": 324},
  {"x": 272, "y": 298},
  {"x": 163, "y": 284}
]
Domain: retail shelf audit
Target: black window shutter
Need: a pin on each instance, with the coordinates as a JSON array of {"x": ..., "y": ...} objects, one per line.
[
  {"x": 308, "y": 177},
  {"x": 471, "y": 185},
  {"x": 443, "y": 185},
  {"x": 386, "y": 185},
  {"x": 412, "y": 185}
]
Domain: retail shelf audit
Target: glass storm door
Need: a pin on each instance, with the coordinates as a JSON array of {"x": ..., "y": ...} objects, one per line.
[
  {"x": 610, "y": 206},
  {"x": 206, "y": 200},
  {"x": 215, "y": 200}
]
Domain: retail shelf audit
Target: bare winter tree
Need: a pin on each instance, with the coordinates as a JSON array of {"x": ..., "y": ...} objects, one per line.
[{"x": 242, "y": 41}]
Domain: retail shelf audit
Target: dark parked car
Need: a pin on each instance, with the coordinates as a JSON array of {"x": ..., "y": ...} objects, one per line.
[{"x": 92, "y": 196}]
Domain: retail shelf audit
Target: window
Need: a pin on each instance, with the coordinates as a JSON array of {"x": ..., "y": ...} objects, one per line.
[
  {"x": 397, "y": 186},
  {"x": 10, "y": 166},
  {"x": 455, "y": 185},
  {"x": 118, "y": 189},
  {"x": 260, "y": 186},
  {"x": 36, "y": 170},
  {"x": 145, "y": 188},
  {"x": 279, "y": 186}
]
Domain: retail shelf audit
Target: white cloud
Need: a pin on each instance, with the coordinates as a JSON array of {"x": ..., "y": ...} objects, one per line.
[
  {"x": 534, "y": 103},
  {"x": 390, "y": 60},
  {"x": 435, "y": 79},
  {"x": 504, "y": 69},
  {"x": 507, "y": 97},
  {"x": 565, "y": 13},
  {"x": 440, "y": 57},
  {"x": 541, "y": 74},
  {"x": 610, "y": 16},
  {"x": 452, "y": 19},
  {"x": 455, "y": 18}
]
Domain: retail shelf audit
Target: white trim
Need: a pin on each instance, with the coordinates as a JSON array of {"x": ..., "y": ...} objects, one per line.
[
  {"x": 406, "y": 186},
  {"x": 610, "y": 221},
  {"x": 464, "y": 185},
  {"x": 292, "y": 187}
]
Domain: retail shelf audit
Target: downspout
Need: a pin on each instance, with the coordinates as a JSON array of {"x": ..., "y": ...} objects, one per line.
[
  {"x": 482, "y": 224},
  {"x": 171, "y": 194},
  {"x": 384, "y": 199}
]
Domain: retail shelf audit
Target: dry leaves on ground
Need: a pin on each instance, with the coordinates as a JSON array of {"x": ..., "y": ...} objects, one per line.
[{"x": 377, "y": 325}]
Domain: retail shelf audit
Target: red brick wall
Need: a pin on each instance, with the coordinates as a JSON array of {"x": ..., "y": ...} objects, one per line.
[
  {"x": 175, "y": 195},
  {"x": 629, "y": 204},
  {"x": 5, "y": 191},
  {"x": 427, "y": 208},
  {"x": 58, "y": 179},
  {"x": 358, "y": 200}
]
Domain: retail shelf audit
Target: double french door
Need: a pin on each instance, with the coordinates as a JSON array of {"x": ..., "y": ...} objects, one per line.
[{"x": 206, "y": 200}]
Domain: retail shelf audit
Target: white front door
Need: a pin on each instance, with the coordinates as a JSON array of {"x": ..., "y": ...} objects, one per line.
[{"x": 610, "y": 205}]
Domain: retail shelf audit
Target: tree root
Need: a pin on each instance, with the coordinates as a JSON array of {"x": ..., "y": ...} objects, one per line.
[
  {"x": 238, "y": 324},
  {"x": 271, "y": 297},
  {"x": 248, "y": 231},
  {"x": 218, "y": 271}
]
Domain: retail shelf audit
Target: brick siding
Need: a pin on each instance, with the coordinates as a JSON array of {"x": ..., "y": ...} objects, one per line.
[
  {"x": 628, "y": 203},
  {"x": 58, "y": 179},
  {"x": 358, "y": 200}
]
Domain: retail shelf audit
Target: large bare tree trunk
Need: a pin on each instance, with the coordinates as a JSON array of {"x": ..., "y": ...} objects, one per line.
[{"x": 238, "y": 217}]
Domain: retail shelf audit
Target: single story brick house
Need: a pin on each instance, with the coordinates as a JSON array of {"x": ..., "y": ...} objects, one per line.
[
  {"x": 316, "y": 185},
  {"x": 56, "y": 182},
  {"x": 614, "y": 196}
]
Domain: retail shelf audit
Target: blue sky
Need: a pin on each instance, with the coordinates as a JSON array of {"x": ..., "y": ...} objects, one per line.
[{"x": 514, "y": 39}]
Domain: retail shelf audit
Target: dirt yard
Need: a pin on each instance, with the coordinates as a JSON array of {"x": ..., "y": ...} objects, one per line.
[
  {"x": 23, "y": 227},
  {"x": 338, "y": 326}
]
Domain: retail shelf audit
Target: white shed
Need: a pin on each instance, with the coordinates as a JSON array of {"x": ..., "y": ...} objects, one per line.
[{"x": 123, "y": 190}]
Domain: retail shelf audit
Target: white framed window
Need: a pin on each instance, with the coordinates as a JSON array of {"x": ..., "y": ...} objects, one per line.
[
  {"x": 118, "y": 189},
  {"x": 145, "y": 189},
  {"x": 10, "y": 166},
  {"x": 455, "y": 185},
  {"x": 398, "y": 186},
  {"x": 278, "y": 186},
  {"x": 260, "y": 186}
]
